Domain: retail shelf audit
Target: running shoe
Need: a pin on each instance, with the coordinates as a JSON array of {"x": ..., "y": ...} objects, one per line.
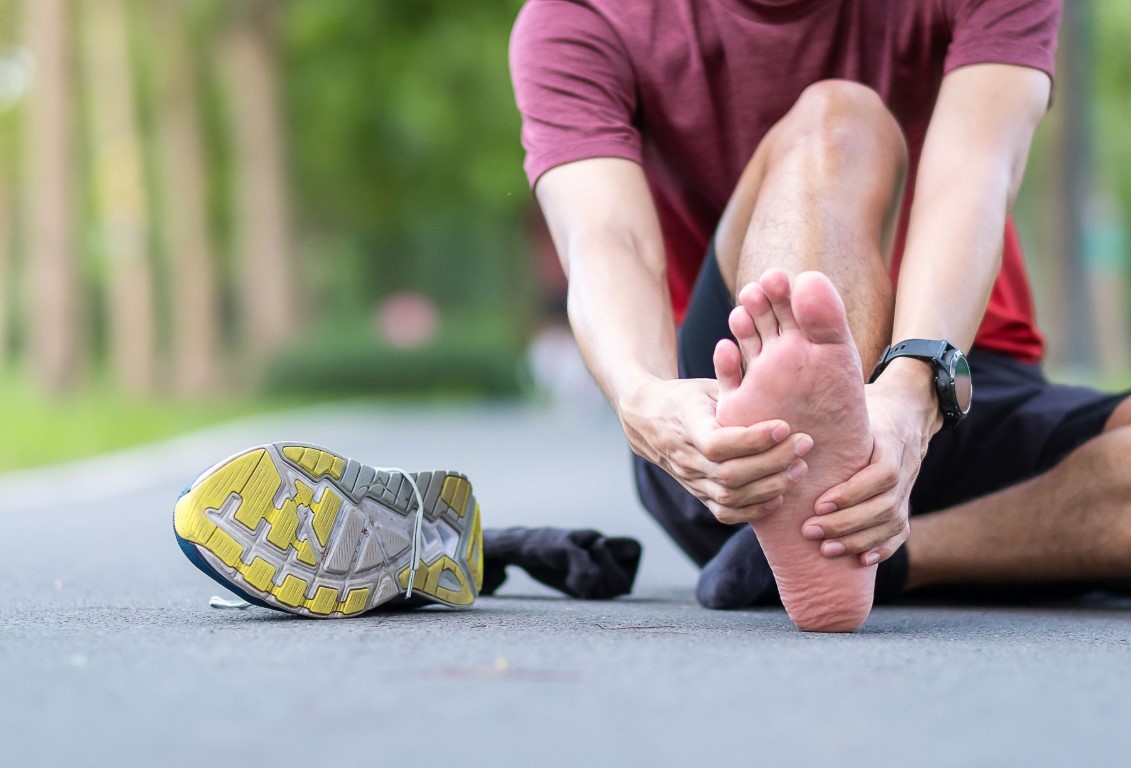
[{"x": 297, "y": 528}]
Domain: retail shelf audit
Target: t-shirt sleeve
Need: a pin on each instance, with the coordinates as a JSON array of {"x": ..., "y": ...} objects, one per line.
[
  {"x": 574, "y": 86},
  {"x": 1021, "y": 32}
]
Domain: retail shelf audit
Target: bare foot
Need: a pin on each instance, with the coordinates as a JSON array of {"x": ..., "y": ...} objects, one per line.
[{"x": 803, "y": 367}]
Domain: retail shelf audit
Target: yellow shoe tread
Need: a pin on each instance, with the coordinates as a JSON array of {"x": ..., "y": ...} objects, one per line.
[{"x": 246, "y": 489}]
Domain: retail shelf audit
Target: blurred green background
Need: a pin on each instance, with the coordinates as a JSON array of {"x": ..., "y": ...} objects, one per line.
[{"x": 216, "y": 207}]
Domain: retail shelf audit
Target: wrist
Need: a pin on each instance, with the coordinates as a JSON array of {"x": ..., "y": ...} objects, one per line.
[
  {"x": 630, "y": 394},
  {"x": 912, "y": 382}
]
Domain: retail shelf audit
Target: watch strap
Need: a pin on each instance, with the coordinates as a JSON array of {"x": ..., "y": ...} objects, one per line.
[
  {"x": 937, "y": 353},
  {"x": 920, "y": 349}
]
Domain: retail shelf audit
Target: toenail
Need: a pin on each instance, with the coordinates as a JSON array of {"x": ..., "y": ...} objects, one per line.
[
  {"x": 812, "y": 532},
  {"x": 803, "y": 445},
  {"x": 796, "y": 470},
  {"x": 833, "y": 549}
]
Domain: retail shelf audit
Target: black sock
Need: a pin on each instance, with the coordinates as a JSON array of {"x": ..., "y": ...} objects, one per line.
[
  {"x": 738, "y": 576},
  {"x": 581, "y": 563}
]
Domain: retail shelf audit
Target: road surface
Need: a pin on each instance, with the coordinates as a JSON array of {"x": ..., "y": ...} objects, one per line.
[{"x": 110, "y": 654}]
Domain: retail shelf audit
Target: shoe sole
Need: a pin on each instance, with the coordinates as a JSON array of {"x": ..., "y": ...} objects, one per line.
[{"x": 315, "y": 534}]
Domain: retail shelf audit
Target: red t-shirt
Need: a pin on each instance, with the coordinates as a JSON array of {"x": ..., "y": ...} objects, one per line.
[{"x": 688, "y": 88}]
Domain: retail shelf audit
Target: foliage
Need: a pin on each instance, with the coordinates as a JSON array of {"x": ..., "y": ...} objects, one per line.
[
  {"x": 407, "y": 170},
  {"x": 479, "y": 354},
  {"x": 1112, "y": 83},
  {"x": 405, "y": 148}
]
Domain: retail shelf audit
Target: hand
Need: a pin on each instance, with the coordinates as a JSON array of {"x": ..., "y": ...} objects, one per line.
[
  {"x": 866, "y": 516},
  {"x": 739, "y": 473}
]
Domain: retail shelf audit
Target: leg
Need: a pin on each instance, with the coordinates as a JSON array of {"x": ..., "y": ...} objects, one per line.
[
  {"x": 1070, "y": 523},
  {"x": 820, "y": 194},
  {"x": 823, "y": 192}
]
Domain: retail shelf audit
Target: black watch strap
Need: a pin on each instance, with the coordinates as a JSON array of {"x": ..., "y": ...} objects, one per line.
[
  {"x": 944, "y": 358},
  {"x": 920, "y": 349}
]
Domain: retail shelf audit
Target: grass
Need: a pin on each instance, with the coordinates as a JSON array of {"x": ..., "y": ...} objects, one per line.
[
  {"x": 475, "y": 357},
  {"x": 39, "y": 430}
]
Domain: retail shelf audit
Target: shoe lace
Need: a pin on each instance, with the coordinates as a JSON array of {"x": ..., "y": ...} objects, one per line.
[{"x": 418, "y": 525}]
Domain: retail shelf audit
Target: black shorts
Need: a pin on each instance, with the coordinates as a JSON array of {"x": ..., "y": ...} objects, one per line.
[{"x": 1019, "y": 427}]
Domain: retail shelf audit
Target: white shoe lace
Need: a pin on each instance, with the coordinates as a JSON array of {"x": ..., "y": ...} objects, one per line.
[
  {"x": 418, "y": 526},
  {"x": 417, "y": 543},
  {"x": 224, "y": 603}
]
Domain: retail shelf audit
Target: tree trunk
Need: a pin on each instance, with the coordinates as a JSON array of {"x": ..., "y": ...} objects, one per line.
[
  {"x": 195, "y": 302},
  {"x": 120, "y": 193},
  {"x": 5, "y": 269},
  {"x": 262, "y": 223},
  {"x": 53, "y": 343}
]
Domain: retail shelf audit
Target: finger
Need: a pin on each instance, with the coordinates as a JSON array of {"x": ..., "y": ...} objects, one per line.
[
  {"x": 874, "y": 512},
  {"x": 748, "y": 514},
  {"x": 775, "y": 284},
  {"x": 745, "y": 332},
  {"x": 885, "y": 550},
  {"x": 718, "y": 444},
  {"x": 741, "y": 471},
  {"x": 869, "y": 482},
  {"x": 728, "y": 366},
  {"x": 865, "y": 541},
  {"x": 757, "y": 492}
]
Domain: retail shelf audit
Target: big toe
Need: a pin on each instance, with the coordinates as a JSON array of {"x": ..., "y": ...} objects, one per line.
[{"x": 819, "y": 309}]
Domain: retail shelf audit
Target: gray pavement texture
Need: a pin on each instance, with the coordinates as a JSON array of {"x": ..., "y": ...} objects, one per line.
[{"x": 110, "y": 655}]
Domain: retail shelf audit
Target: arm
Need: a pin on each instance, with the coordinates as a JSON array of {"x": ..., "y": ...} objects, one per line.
[
  {"x": 971, "y": 167},
  {"x": 606, "y": 231}
]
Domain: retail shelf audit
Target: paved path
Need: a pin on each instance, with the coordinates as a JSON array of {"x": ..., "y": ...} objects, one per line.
[{"x": 110, "y": 655}]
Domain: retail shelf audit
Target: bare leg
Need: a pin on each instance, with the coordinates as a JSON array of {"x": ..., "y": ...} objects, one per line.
[
  {"x": 1074, "y": 522},
  {"x": 820, "y": 194}
]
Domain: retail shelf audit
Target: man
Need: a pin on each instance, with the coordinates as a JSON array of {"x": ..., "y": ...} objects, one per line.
[{"x": 847, "y": 167}]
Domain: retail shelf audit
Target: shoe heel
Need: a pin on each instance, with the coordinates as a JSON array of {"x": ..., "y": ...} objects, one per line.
[{"x": 456, "y": 576}]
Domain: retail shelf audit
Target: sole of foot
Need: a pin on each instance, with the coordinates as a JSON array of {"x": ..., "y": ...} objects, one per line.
[
  {"x": 802, "y": 366},
  {"x": 297, "y": 528}
]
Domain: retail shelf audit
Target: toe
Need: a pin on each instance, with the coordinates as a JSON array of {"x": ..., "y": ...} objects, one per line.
[
  {"x": 753, "y": 299},
  {"x": 745, "y": 332},
  {"x": 819, "y": 310},
  {"x": 775, "y": 284},
  {"x": 728, "y": 366}
]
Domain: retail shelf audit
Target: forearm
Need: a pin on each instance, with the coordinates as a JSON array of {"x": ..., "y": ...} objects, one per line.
[
  {"x": 953, "y": 254},
  {"x": 606, "y": 231},
  {"x": 952, "y": 259},
  {"x": 971, "y": 168},
  {"x": 621, "y": 314}
]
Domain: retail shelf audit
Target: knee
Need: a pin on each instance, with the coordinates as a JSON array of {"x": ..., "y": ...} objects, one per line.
[
  {"x": 836, "y": 123},
  {"x": 1093, "y": 486},
  {"x": 1099, "y": 466},
  {"x": 1120, "y": 417}
]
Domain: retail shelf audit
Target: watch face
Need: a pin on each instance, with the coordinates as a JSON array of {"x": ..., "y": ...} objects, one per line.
[{"x": 963, "y": 387}]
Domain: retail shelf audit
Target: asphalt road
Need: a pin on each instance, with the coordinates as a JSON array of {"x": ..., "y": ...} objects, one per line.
[{"x": 110, "y": 655}]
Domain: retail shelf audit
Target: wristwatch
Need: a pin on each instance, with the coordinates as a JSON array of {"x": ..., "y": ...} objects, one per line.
[{"x": 952, "y": 374}]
